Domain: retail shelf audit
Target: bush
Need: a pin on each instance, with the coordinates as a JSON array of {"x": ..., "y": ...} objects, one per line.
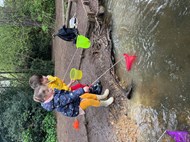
[
  {"x": 27, "y": 40},
  {"x": 42, "y": 67},
  {"x": 21, "y": 119},
  {"x": 49, "y": 124}
]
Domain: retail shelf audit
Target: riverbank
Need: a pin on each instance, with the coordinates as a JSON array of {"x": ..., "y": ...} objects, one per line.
[{"x": 98, "y": 124}]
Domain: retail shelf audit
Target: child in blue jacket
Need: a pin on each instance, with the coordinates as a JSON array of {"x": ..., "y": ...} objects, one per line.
[{"x": 69, "y": 103}]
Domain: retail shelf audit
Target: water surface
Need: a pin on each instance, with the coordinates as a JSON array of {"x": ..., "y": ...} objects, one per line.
[{"x": 158, "y": 33}]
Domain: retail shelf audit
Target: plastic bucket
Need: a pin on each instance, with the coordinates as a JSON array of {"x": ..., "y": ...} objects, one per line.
[{"x": 75, "y": 74}]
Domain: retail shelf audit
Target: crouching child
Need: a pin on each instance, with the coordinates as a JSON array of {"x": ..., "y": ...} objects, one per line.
[{"x": 69, "y": 103}]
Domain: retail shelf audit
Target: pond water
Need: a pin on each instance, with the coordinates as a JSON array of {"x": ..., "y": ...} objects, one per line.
[{"x": 158, "y": 33}]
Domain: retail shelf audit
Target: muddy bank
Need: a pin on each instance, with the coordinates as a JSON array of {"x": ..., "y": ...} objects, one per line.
[{"x": 98, "y": 124}]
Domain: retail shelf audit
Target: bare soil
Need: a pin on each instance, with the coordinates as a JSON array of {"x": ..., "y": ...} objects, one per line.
[{"x": 109, "y": 124}]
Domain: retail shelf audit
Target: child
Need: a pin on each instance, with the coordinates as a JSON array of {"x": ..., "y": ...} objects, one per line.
[
  {"x": 55, "y": 82},
  {"x": 67, "y": 102}
]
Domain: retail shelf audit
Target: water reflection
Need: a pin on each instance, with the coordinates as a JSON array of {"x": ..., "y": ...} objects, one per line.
[{"x": 158, "y": 32}]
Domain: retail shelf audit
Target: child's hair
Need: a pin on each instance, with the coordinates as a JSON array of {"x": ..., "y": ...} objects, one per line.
[
  {"x": 35, "y": 81},
  {"x": 39, "y": 93}
]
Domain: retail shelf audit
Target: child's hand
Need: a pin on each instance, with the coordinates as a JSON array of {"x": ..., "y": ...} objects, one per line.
[
  {"x": 86, "y": 89},
  {"x": 72, "y": 81}
]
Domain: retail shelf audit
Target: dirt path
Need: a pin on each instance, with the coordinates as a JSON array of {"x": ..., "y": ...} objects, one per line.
[{"x": 98, "y": 124}]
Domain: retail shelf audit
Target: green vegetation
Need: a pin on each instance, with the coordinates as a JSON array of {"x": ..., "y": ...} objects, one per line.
[{"x": 25, "y": 49}]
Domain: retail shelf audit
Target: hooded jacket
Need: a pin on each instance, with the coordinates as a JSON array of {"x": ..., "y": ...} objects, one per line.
[{"x": 65, "y": 102}]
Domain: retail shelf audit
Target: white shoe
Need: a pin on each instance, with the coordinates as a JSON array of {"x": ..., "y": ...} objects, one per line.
[
  {"x": 103, "y": 96},
  {"x": 107, "y": 102}
]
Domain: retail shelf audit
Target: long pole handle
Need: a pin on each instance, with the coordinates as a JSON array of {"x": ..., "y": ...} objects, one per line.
[
  {"x": 108, "y": 70},
  {"x": 161, "y": 136},
  {"x": 70, "y": 63}
]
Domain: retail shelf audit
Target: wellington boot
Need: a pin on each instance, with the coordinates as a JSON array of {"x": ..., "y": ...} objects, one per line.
[
  {"x": 107, "y": 102},
  {"x": 103, "y": 96}
]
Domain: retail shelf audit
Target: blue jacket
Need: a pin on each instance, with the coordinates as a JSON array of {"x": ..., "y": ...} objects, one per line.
[{"x": 65, "y": 102}]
